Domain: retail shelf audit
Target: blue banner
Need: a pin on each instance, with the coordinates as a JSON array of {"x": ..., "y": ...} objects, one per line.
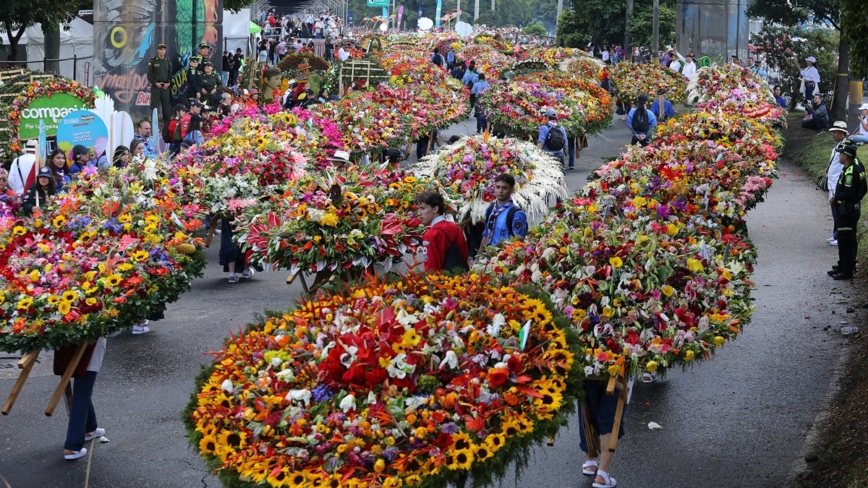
[{"x": 437, "y": 14}]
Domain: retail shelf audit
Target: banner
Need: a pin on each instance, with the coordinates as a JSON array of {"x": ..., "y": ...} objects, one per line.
[
  {"x": 85, "y": 128},
  {"x": 437, "y": 13},
  {"x": 400, "y": 14},
  {"x": 47, "y": 109}
]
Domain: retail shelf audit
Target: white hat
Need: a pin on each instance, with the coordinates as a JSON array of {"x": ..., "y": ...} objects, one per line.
[
  {"x": 341, "y": 156},
  {"x": 864, "y": 106},
  {"x": 840, "y": 126},
  {"x": 811, "y": 59}
]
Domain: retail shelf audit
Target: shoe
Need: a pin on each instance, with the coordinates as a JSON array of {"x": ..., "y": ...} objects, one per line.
[
  {"x": 830, "y": 239},
  {"x": 833, "y": 243},
  {"x": 589, "y": 468},
  {"x": 832, "y": 273},
  {"x": 233, "y": 279},
  {"x": 74, "y": 454},
  {"x": 572, "y": 168},
  {"x": 842, "y": 276},
  {"x": 649, "y": 378},
  {"x": 248, "y": 273},
  {"x": 94, "y": 435},
  {"x": 141, "y": 329},
  {"x": 610, "y": 482}
]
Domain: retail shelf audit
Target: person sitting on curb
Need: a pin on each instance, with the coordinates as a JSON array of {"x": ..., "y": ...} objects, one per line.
[{"x": 641, "y": 122}]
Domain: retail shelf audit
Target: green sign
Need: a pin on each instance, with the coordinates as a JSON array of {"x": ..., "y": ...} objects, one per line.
[
  {"x": 48, "y": 109},
  {"x": 379, "y": 3}
]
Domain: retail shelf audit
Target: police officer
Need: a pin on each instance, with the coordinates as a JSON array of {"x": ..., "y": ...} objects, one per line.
[
  {"x": 160, "y": 78},
  {"x": 194, "y": 80},
  {"x": 205, "y": 52},
  {"x": 851, "y": 187},
  {"x": 211, "y": 86}
]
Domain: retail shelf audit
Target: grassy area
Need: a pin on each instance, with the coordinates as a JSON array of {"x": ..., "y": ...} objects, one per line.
[{"x": 842, "y": 447}]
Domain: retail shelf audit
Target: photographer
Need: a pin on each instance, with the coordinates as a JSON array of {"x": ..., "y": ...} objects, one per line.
[{"x": 818, "y": 117}]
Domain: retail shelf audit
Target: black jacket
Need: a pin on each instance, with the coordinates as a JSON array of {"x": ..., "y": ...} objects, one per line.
[{"x": 31, "y": 198}]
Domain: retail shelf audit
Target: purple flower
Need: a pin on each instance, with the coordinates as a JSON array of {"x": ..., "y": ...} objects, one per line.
[{"x": 321, "y": 393}]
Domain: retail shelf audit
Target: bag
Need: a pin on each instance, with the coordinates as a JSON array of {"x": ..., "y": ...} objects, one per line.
[
  {"x": 823, "y": 183},
  {"x": 175, "y": 131},
  {"x": 641, "y": 121},
  {"x": 555, "y": 140},
  {"x": 185, "y": 126},
  {"x": 453, "y": 259}
]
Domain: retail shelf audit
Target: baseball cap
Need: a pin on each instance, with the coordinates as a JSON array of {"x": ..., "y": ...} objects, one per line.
[
  {"x": 204, "y": 45},
  {"x": 393, "y": 153},
  {"x": 196, "y": 103},
  {"x": 195, "y": 58},
  {"x": 161, "y": 46},
  {"x": 811, "y": 59},
  {"x": 864, "y": 106},
  {"x": 207, "y": 63},
  {"x": 179, "y": 107},
  {"x": 848, "y": 149},
  {"x": 550, "y": 112},
  {"x": 840, "y": 126},
  {"x": 44, "y": 171}
]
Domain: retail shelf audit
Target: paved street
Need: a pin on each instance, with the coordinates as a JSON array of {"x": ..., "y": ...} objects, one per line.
[{"x": 738, "y": 420}]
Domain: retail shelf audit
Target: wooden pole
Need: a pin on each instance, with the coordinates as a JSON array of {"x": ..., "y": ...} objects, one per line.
[
  {"x": 25, "y": 364},
  {"x": 619, "y": 412},
  {"x": 64, "y": 380}
]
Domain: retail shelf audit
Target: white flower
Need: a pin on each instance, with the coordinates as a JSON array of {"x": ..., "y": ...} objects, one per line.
[
  {"x": 398, "y": 367},
  {"x": 276, "y": 361},
  {"x": 348, "y": 403},
  {"x": 494, "y": 327},
  {"x": 372, "y": 398},
  {"x": 226, "y": 386},
  {"x": 349, "y": 357},
  {"x": 451, "y": 359},
  {"x": 286, "y": 376},
  {"x": 299, "y": 396}
]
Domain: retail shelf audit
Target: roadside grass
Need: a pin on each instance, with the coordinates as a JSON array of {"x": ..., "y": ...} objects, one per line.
[{"x": 842, "y": 446}]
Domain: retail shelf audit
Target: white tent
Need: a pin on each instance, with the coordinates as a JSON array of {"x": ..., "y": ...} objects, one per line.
[
  {"x": 77, "y": 39},
  {"x": 236, "y": 30}
]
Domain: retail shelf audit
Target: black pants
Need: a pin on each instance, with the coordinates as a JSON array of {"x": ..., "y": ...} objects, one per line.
[
  {"x": 643, "y": 142},
  {"x": 815, "y": 124},
  {"x": 847, "y": 244},
  {"x": 161, "y": 101}
]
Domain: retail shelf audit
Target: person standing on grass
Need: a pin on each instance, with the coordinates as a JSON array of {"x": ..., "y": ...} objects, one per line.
[
  {"x": 849, "y": 191},
  {"x": 811, "y": 78},
  {"x": 833, "y": 172},
  {"x": 444, "y": 244}
]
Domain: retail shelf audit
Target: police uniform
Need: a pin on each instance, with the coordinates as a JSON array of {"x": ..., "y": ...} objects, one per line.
[
  {"x": 194, "y": 80},
  {"x": 210, "y": 82},
  {"x": 160, "y": 71},
  {"x": 849, "y": 191},
  {"x": 207, "y": 56}
]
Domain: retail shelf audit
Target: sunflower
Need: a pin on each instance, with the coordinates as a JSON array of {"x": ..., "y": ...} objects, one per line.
[
  {"x": 332, "y": 482},
  {"x": 52, "y": 300},
  {"x": 549, "y": 401},
  {"x": 495, "y": 442},
  {"x": 510, "y": 428},
  {"x": 208, "y": 444},
  {"x": 140, "y": 255},
  {"x": 284, "y": 478},
  {"x": 413, "y": 480},
  {"x": 460, "y": 441},
  {"x": 58, "y": 221},
  {"x": 64, "y": 307},
  {"x": 25, "y": 303},
  {"x": 482, "y": 452},
  {"x": 460, "y": 459},
  {"x": 232, "y": 438},
  {"x": 255, "y": 471},
  {"x": 69, "y": 296},
  {"x": 392, "y": 483},
  {"x": 18, "y": 231},
  {"x": 525, "y": 424},
  {"x": 113, "y": 280}
]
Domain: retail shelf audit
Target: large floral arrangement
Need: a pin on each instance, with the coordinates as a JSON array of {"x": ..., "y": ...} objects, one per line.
[
  {"x": 488, "y": 60},
  {"x": 365, "y": 124},
  {"x": 745, "y": 103},
  {"x": 495, "y": 42},
  {"x": 630, "y": 80},
  {"x": 592, "y": 105},
  {"x": 712, "y": 81},
  {"x": 550, "y": 55},
  {"x": 417, "y": 382},
  {"x": 584, "y": 66},
  {"x": 730, "y": 131},
  {"x": 98, "y": 259},
  {"x": 520, "y": 107},
  {"x": 10, "y": 112},
  {"x": 349, "y": 221},
  {"x": 467, "y": 168},
  {"x": 292, "y": 61}
]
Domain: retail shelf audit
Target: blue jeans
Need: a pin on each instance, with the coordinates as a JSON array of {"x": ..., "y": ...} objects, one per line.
[
  {"x": 859, "y": 138},
  {"x": 601, "y": 411},
  {"x": 834, "y": 221},
  {"x": 82, "y": 418},
  {"x": 809, "y": 90},
  {"x": 481, "y": 122}
]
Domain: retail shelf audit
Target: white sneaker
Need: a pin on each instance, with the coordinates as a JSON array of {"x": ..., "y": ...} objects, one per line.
[
  {"x": 833, "y": 243},
  {"x": 830, "y": 239},
  {"x": 141, "y": 328}
]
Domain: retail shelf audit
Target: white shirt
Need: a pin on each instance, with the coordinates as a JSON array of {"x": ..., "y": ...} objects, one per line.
[
  {"x": 811, "y": 74},
  {"x": 834, "y": 172},
  {"x": 862, "y": 130},
  {"x": 675, "y": 66},
  {"x": 605, "y": 55},
  {"x": 343, "y": 55},
  {"x": 98, "y": 353},
  {"x": 689, "y": 70},
  {"x": 19, "y": 171}
]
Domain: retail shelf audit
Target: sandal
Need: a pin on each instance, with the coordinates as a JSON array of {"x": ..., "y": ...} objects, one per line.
[
  {"x": 73, "y": 455},
  {"x": 248, "y": 273},
  {"x": 610, "y": 482},
  {"x": 94, "y": 435},
  {"x": 649, "y": 378},
  {"x": 233, "y": 278},
  {"x": 589, "y": 468}
]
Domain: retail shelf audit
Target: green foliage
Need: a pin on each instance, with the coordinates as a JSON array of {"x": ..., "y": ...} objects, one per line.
[
  {"x": 855, "y": 25},
  {"x": 535, "y": 29},
  {"x": 236, "y": 5},
  {"x": 519, "y": 13},
  {"x": 17, "y": 15},
  {"x": 793, "y": 12},
  {"x": 786, "y": 48},
  {"x": 642, "y": 24},
  {"x": 603, "y": 21}
]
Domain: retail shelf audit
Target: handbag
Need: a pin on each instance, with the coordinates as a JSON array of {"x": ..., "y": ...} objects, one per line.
[{"x": 823, "y": 183}]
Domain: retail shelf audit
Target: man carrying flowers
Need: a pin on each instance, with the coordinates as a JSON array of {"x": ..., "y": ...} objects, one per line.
[
  {"x": 444, "y": 244},
  {"x": 503, "y": 219},
  {"x": 553, "y": 137}
]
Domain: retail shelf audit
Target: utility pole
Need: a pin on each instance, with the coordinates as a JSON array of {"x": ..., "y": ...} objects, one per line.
[
  {"x": 476, "y": 9},
  {"x": 492, "y": 5},
  {"x": 628, "y": 49},
  {"x": 560, "y": 9},
  {"x": 655, "y": 53},
  {"x": 458, "y": 13}
]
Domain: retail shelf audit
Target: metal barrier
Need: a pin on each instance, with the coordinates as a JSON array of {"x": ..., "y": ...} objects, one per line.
[{"x": 75, "y": 58}]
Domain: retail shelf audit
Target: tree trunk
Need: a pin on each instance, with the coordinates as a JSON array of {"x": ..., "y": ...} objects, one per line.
[
  {"x": 13, "y": 39},
  {"x": 52, "y": 48},
  {"x": 842, "y": 82}
]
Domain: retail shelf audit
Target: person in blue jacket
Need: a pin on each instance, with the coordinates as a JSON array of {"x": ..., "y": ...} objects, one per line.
[
  {"x": 503, "y": 218},
  {"x": 668, "y": 110},
  {"x": 643, "y": 124}
]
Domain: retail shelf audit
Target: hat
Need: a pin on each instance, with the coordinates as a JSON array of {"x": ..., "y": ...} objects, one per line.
[
  {"x": 848, "y": 149},
  {"x": 196, "y": 103},
  {"x": 204, "y": 45},
  {"x": 208, "y": 63},
  {"x": 179, "y": 107},
  {"x": 253, "y": 91},
  {"x": 550, "y": 113},
  {"x": 811, "y": 59},
  {"x": 864, "y": 106},
  {"x": 44, "y": 172},
  {"x": 78, "y": 150},
  {"x": 340, "y": 156},
  {"x": 195, "y": 58},
  {"x": 839, "y": 126},
  {"x": 393, "y": 153},
  {"x": 161, "y": 46}
]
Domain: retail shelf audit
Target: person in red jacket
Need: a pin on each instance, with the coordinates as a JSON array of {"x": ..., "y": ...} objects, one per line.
[{"x": 444, "y": 244}]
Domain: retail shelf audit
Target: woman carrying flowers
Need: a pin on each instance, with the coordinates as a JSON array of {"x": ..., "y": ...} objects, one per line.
[
  {"x": 231, "y": 256},
  {"x": 39, "y": 192}
]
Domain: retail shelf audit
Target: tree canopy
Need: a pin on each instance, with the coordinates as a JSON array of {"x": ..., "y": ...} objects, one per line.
[
  {"x": 18, "y": 15},
  {"x": 604, "y": 20},
  {"x": 855, "y": 24}
]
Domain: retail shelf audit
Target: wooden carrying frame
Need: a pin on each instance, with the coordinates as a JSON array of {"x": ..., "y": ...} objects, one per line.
[
  {"x": 591, "y": 435},
  {"x": 25, "y": 364}
]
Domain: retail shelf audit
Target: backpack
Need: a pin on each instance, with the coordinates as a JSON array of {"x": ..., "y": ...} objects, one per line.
[
  {"x": 554, "y": 140},
  {"x": 172, "y": 131},
  {"x": 453, "y": 259},
  {"x": 641, "y": 121},
  {"x": 510, "y": 214},
  {"x": 185, "y": 126},
  {"x": 437, "y": 59}
]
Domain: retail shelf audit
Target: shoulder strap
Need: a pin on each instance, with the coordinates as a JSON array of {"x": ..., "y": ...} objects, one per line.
[{"x": 510, "y": 216}]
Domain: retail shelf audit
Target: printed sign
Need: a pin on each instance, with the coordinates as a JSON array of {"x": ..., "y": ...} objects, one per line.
[
  {"x": 379, "y": 3},
  {"x": 47, "y": 109},
  {"x": 82, "y": 127}
]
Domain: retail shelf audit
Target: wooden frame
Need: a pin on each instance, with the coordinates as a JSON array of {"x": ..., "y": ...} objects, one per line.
[{"x": 26, "y": 365}]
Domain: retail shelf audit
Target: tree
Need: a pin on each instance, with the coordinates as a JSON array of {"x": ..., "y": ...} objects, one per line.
[
  {"x": 784, "y": 48},
  {"x": 18, "y": 15},
  {"x": 855, "y": 24},
  {"x": 795, "y": 12},
  {"x": 640, "y": 24},
  {"x": 535, "y": 29},
  {"x": 604, "y": 20}
]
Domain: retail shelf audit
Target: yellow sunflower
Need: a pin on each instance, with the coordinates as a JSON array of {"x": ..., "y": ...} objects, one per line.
[
  {"x": 113, "y": 280},
  {"x": 460, "y": 441},
  {"x": 460, "y": 459},
  {"x": 285, "y": 478},
  {"x": 392, "y": 483},
  {"x": 69, "y": 295},
  {"x": 208, "y": 444},
  {"x": 64, "y": 307},
  {"x": 495, "y": 442},
  {"x": 482, "y": 452},
  {"x": 510, "y": 428},
  {"x": 58, "y": 221},
  {"x": 25, "y": 303},
  {"x": 140, "y": 255}
]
